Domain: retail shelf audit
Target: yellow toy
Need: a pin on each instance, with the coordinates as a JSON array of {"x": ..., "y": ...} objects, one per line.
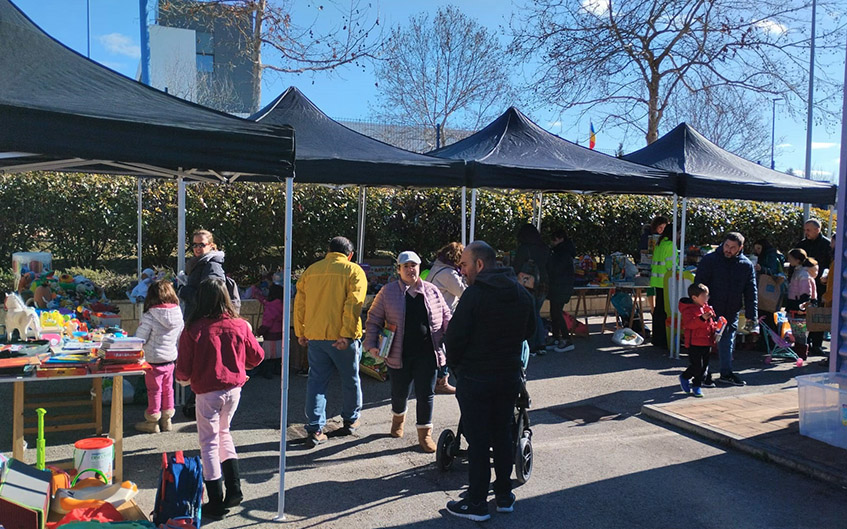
[
  {"x": 52, "y": 320},
  {"x": 91, "y": 492}
]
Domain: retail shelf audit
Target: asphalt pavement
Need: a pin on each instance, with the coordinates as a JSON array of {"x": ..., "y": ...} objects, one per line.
[{"x": 598, "y": 461}]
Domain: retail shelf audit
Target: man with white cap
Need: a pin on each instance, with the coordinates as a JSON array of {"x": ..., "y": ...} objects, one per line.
[
  {"x": 139, "y": 293},
  {"x": 328, "y": 319}
]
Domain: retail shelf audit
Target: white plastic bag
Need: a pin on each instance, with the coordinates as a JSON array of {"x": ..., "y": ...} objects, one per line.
[{"x": 627, "y": 336}]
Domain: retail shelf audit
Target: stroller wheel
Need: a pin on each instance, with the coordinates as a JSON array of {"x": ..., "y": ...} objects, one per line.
[
  {"x": 767, "y": 359},
  {"x": 443, "y": 457},
  {"x": 523, "y": 459}
]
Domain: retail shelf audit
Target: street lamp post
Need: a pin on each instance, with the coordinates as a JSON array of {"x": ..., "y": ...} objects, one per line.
[{"x": 773, "y": 125}]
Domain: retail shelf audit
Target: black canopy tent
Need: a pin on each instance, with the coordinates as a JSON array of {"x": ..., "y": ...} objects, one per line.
[
  {"x": 330, "y": 153},
  {"x": 62, "y": 111},
  {"x": 707, "y": 171},
  {"x": 513, "y": 152}
]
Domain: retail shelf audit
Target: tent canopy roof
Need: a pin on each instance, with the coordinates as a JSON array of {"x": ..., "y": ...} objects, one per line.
[
  {"x": 62, "y": 111},
  {"x": 330, "y": 153},
  {"x": 514, "y": 152},
  {"x": 711, "y": 172}
]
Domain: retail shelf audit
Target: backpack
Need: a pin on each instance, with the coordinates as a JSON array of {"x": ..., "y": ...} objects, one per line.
[
  {"x": 180, "y": 490},
  {"x": 234, "y": 295}
]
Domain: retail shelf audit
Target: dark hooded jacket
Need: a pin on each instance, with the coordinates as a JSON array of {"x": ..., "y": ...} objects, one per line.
[
  {"x": 198, "y": 269},
  {"x": 560, "y": 270},
  {"x": 493, "y": 318},
  {"x": 730, "y": 282}
]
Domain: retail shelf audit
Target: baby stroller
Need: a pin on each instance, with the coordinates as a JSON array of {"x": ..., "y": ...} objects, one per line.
[
  {"x": 779, "y": 345},
  {"x": 449, "y": 448}
]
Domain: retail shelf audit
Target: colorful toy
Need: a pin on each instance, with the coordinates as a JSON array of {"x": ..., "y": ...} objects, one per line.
[
  {"x": 21, "y": 318},
  {"x": 40, "y": 446}
]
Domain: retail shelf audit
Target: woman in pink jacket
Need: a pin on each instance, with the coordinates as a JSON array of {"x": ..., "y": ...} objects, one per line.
[{"x": 417, "y": 311}]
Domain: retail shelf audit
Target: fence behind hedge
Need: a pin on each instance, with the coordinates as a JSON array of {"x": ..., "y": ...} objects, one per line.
[{"x": 86, "y": 219}]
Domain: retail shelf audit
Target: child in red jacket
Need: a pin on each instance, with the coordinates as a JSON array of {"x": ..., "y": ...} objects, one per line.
[
  {"x": 698, "y": 325},
  {"x": 215, "y": 349}
]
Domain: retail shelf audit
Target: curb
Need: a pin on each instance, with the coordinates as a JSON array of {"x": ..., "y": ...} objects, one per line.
[{"x": 743, "y": 444}]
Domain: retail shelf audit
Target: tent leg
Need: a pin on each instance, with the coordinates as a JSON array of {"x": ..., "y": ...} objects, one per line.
[
  {"x": 473, "y": 214},
  {"x": 464, "y": 215},
  {"x": 139, "y": 263},
  {"x": 360, "y": 228},
  {"x": 539, "y": 199},
  {"x": 286, "y": 332},
  {"x": 680, "y": 292},
  {"x": 672, "y": 285},
  {"x": 180, "y": 224}
]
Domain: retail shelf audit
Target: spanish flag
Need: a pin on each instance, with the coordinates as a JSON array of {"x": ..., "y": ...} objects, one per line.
[{"x": 592, "y": 138}]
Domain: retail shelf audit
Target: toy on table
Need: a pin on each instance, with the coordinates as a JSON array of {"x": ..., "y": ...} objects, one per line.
[{"x": 20, "y": 318}]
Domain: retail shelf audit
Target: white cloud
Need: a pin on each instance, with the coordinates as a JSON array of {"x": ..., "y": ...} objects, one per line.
[
  {"x": 554, "y": 124},
  {"x": 595, "y": 7},
  {"x": 771, "y": 26},
  {"x": 120, "y": 45},
  {"x": 784, "y": 145},
  {"x": 823, "y": 145}
]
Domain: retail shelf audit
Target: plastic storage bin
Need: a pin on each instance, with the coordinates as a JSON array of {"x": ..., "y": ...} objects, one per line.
[{"x": 823, "y": 407}]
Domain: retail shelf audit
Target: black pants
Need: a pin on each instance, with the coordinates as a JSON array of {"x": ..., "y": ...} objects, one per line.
[
  {"x": 487, "y": 403},
  {"x": 698, "y": 363},
  {"x": 557, "y": 319},
  {"x": 422, "y": 370},
  {"x": 660, "y": 338}
]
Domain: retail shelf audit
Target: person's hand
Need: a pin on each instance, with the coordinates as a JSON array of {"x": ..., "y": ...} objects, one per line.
[
  {"x": 184, "y": 382},
  {"x": 302, "y": 340},
  {"x": 341, "y": 343},
  {"x": 758, "y": 267}
]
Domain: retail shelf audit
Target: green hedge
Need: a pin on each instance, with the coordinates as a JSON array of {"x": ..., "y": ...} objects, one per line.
[{"x": 86, "y": 220}]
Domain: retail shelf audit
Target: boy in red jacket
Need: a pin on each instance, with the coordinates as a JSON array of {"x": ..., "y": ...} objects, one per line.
[{"x": 698, "y": 325}]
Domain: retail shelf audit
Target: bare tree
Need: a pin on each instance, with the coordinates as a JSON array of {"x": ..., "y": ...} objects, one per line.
[
  {"x": 635, "y": 55},
  {"x": 317, "y": 42},
  {"x": 442, "y": 71}
]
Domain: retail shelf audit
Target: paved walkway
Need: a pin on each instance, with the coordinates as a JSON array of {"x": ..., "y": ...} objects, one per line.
[{"x": 766, "y": 425}]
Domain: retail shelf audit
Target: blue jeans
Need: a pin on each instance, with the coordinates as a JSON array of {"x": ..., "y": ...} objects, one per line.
[
  {"x": 727, "y": 345},
  {"x": 487, "y": 402},
  {"x": 421, "y": 370},
  {"x": 323, "y": 360}
]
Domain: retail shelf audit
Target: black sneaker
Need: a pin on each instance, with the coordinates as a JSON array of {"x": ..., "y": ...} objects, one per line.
[
  {"x": 506, "y": 503},
  {"x": 732, "y": 379},
  {"x": 707, "y": 383},
  {"x": 477, "y": 512},
  {"x": 351, "y": 427}
]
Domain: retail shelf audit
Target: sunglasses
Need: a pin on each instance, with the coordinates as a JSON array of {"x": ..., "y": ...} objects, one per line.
[{"x": 199, "y": 245}]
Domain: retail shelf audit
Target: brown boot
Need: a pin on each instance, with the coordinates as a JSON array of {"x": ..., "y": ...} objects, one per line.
[
  {"x": 443, "y": 387},
  {"x": 425, "y": 439},
  {"x": 150, "y": 424},
  {"x": 165, "y": 421},
  {"x": 397, "y": 423}
]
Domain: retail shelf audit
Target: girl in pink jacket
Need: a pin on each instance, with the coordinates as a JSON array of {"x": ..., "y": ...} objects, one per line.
[
  {"x": 271, "y": 331},
  {"x": 417, "y": 312},
  {"x": 801, "y": 288}
]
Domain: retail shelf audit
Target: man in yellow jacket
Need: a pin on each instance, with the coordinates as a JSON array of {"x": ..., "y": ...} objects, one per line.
[{"x": 328, "y": 319}]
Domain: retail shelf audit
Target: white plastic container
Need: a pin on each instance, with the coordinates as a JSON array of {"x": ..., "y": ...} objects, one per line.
[
  {"x": 823, "y": 407},
  {"x": 37, "y": 262}
]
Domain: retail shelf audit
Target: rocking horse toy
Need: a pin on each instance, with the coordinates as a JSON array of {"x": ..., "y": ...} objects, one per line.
[{"x": 21, "y": 318}]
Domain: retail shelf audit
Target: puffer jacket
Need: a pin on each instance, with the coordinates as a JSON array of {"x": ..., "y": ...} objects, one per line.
[
  {"x": 494, "y": 316},
  {"x": 449, "y": 281},
  {"x": 389, "y": 307},
  {"x": 695, "y": 329},
  {"x": 160, "y": 328},
  {"x": 802, "y": 285},
  {"x": 198, "y": 269},
  {"x": 731, "y": 282}
]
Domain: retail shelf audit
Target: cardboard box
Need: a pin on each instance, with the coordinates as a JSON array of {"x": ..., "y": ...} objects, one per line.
[{"x": 818, "y": 319}]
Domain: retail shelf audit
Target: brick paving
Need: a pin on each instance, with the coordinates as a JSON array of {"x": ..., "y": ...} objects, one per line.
[{"x": 766, "y": 425}]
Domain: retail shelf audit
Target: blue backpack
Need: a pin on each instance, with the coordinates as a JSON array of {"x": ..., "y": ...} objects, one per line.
[{"x": 180, "y": 491}]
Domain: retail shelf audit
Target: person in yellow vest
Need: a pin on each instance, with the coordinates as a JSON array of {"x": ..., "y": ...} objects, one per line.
[{"x": 664, "y": 255}]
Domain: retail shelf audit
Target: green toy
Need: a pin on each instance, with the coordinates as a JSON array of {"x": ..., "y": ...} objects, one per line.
[{"x": 40, "y": 446}]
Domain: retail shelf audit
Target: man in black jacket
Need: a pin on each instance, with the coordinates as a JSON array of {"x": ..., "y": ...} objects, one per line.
[
  {"x": 817, "y": 247},
  {"x": 484, "y": 342}
]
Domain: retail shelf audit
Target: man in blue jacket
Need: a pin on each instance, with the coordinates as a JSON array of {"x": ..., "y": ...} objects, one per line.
[{"x": 731, "y": 279}]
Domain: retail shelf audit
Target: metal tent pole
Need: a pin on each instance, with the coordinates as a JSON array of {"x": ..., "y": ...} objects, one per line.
[
  {"x": 286, "y": 332},
  {"x": 473, "y": 214},
  {"x": 540, "y": 200},
  {"x": 139, "y": 266},
  {"x": 672, "y": 286},
  {"x": 464, "y": 215},
  {"x": 180, "y": 224},
  {"x": 838, "y": 347},
  {"x": 360, "y": 228},
  {"x": 678, "y": 322}
]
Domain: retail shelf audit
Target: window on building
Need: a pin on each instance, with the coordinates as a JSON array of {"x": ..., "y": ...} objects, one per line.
[{"x": 205, "y": 52}]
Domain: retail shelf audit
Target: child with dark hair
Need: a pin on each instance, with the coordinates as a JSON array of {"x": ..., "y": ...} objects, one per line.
[
  {"x": 802, "y": 288},
  {"x": 271, "y": 331},
  {"x": 215, "y": 350},
  {"x": 160, "y": 326},
  {"x": 698, "y": 327}
]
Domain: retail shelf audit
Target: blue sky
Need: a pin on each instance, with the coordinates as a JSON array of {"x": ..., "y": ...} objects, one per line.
[{"x": 349, "y": 92}]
